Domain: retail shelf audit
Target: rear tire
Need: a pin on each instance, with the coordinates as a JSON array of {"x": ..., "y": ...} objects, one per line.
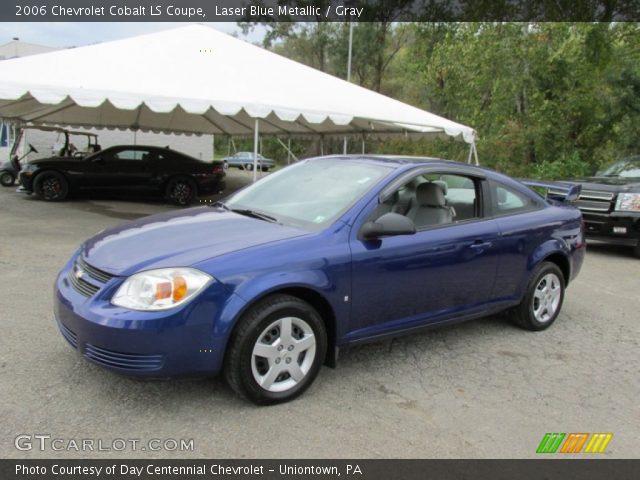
[
  {"x": 543, "y": 300},
  {"x": 181, "y": 191},
  {"x": 51, "y": 186},
  {"x": 276, "y": 350},
  {"x": 7, "y": 179}
]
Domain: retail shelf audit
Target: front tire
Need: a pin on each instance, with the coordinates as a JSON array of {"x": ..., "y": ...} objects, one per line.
[
  {"x": 7, "y": 179},
  {"x": 276, "y": 351},
  {"x": 543, "y": 301},
  {"x": 181, "y": 191},
  {"x": 51, "y": 186}
]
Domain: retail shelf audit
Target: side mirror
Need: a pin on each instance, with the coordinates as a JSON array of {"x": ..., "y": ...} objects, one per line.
[{"x": 389, "y": 224}]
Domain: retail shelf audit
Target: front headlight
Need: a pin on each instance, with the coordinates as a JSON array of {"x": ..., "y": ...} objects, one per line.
[
  {"x": 160, "y": 289},
  {"x": 628, "y": 202}
]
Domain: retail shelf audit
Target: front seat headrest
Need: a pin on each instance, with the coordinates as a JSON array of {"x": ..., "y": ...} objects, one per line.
[{"x": 430, "y": 195}]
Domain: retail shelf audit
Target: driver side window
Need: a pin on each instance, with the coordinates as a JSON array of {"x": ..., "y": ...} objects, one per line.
[{"x": 433, "y": 199}]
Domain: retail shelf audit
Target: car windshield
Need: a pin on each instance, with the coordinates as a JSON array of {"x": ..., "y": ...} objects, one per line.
[
  {"x": 309, "y": 194},
  {"x": 628, "y": 167}
]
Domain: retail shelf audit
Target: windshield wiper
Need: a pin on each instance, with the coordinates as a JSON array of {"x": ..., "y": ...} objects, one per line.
[
  {"x": 221, "y": 205},
  {"x": 255, "y": 214}
]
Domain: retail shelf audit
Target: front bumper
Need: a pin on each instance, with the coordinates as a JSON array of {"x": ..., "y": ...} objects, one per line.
[
  {"x": 616, "y": 227},
  {"x": 170, "y": 343}
]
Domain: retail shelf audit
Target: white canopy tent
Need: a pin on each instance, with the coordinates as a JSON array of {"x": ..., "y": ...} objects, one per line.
[{"x": 195, "y": 79}]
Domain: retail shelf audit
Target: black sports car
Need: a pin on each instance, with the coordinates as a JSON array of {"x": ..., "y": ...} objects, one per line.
[{"x": 179, "y": 177}]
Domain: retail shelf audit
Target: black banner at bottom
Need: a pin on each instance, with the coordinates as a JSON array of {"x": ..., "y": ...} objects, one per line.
[{"x": 565, "y": 469}]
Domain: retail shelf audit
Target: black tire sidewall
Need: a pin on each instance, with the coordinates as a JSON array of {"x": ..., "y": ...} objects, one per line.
[
  {"x": 41, "y": 177},
  {"x": 261, "y": 320},
  {"x": 526, "y": 307},
  {"x": 7, "y": 175}
]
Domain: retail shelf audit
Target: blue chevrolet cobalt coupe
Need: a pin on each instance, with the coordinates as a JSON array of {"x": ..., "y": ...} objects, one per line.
[{"x": 266, "y": 286}]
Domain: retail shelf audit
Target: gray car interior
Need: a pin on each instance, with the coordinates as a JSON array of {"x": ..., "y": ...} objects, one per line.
[{"x": 425, "y": 202}]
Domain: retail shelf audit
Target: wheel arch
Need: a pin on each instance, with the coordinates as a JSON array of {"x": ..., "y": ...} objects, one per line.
[
  {"x": 173, "y": 176},
  {"x": 308, "y": 294},
  {"x": 562, "y": 262}
]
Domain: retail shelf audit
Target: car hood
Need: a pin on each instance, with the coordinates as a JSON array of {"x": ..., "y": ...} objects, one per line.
[
  {"x": 609, "y": 184},
  {"x": 179, "y": 239}
]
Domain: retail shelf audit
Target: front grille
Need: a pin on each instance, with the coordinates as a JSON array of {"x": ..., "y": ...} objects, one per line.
[
  {"x": 595, "y": 201},
  {"x": 81, "y": 274},
  {"x": 69, "y": 336},
  {"x": 80, "y": 285},
  {"x": 93, "y": 272},
  {"x": 595, "y": 195},
  {"x": 124, "y": 361}
]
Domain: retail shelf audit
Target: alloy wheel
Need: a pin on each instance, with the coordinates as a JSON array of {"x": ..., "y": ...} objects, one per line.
[
  {"x": 51, "y": 188},
  {"x": 283, "y": 354},
  {"x": 546, "y": 298}
]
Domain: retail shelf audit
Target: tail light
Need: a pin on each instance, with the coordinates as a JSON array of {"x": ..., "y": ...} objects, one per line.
[{"x": 217, "y": 169}]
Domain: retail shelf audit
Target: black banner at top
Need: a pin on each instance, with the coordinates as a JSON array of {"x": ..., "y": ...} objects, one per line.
[{"x": 318, "y": 10}]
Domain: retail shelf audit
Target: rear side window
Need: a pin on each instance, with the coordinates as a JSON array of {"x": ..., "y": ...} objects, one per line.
[
  {"x": 132, "y": 155},
  {"x": 507, "y": 201}
]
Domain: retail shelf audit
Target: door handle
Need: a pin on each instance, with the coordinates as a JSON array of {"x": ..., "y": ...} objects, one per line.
[{"x": 478, "y": 245}]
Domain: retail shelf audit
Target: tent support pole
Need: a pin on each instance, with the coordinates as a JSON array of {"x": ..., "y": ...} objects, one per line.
[
  {"x": 255, "y": 150},
  {"x": 213, "y": 147},
  {"x": 288, "y": 149},
  {"x": 475, "y": 153},
  {"x": 363, "y": 144},
  {"x": 321, "y": 144},
  {"x": 345, "y": 146}
]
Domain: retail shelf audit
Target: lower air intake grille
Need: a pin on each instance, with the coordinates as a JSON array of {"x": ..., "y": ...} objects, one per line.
[
  {"x": 124, "y": 361},
  {"x": 69, "y": 336}
]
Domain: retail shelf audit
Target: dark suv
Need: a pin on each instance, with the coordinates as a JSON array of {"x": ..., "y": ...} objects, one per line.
[
  {"x": 179, "y": 177},
  {"x": 610, "y": 203}
]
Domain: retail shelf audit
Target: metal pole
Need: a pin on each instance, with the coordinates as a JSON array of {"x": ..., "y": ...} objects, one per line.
[
  {"x": 475, "y": 153},
  {"x": 348, "y": 72},
  {"x": 289, "y": 151},
  {"x": 213, "y": 147},
  {"x": 255, "y": 151}
]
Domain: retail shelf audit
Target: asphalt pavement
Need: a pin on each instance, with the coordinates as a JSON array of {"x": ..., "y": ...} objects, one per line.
[{"x": 483, "y": 389}]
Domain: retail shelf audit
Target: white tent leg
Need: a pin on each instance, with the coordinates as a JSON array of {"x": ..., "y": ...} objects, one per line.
[
  {"x": 322, "y": 145},
  {"x": 289, "y": 151},
  {"x": 345, "y": 146},
  {"x": 475, "y": 153},
  {"x": 470, "y": 153},
  {"x": 213, "y": 147},
  {"x": 363, "y": 144},
  {"x": 255, "y": 151}
]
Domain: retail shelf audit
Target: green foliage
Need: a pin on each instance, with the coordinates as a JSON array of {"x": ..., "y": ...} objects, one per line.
[{"x": 549, "y": 100}]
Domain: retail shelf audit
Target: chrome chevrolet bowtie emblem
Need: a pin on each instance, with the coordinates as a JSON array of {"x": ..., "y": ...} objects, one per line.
[{"x": 79, "y": 272}]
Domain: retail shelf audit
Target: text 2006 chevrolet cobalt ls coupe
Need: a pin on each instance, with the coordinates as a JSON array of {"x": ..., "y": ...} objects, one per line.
[{"x": 323, "y": 254}]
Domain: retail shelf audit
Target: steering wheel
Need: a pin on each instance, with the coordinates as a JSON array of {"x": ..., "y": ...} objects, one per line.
[{"x": 32, "y": 148}]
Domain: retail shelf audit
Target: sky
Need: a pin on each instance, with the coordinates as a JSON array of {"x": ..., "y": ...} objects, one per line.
[{"x": 68, "y": 34}]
